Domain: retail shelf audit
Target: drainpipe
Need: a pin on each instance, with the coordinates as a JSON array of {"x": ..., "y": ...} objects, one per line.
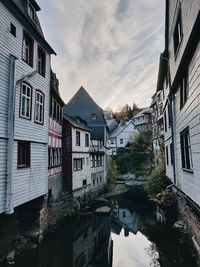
[
  {"x": 10, "y": 129},
  {"x": 173, "y": 101}
]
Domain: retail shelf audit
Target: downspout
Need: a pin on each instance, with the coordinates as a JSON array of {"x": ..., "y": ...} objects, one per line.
[{"x": 10, "y": 129}]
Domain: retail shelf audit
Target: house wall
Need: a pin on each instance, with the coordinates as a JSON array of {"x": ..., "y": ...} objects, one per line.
[
  {"x": 127, "y": 135},
  {"x": 189, "y": 116},
  {"x": 33, "y": 181}
]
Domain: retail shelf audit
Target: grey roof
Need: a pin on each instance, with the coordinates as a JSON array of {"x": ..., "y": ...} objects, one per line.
[
  {"x": 142, "y": 112},
  {"x": 112, "y": 124},
  {"x": 74, "y": 121},
  {"x": 120, "y": 128},
  {"x": 83, "y": 106}
]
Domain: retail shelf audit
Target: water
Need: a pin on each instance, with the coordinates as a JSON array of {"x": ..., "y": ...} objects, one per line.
[{"x": 138, "y": 235}]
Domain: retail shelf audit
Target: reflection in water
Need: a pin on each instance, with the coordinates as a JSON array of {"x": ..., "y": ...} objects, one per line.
[{"x": 141, "y": 233}]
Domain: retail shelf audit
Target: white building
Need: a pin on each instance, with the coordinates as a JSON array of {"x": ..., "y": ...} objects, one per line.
[
  {"x": 76, "y": 156},
  {"x": 24, "y": 103},
  {"x": 142, "y": 120},
  {"x": 121, "y": 136}
]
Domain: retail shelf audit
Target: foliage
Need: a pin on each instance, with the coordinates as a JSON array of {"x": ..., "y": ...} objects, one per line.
[
  {"x": 126, "y": 113},
  {"x": 156, "y": 182},
  {"x": 113, "y": 173},
  {"x": 136, "y": 157}
]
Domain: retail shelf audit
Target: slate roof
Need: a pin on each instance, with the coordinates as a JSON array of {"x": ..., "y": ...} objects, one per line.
[
  {"x": 142, "y": 112},
  {"x": 74, "y": 121},
  {"x": 119, "y": 129},
  {"x": 83, "y": 106},
  {"x": 112, "y": 124}
]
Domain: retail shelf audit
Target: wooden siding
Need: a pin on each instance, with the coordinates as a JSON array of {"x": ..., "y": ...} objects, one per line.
[
  {"x": 31, "y": 182},
  {"x": 189, "y": 116},
  {"x": 3, "y": 145}
]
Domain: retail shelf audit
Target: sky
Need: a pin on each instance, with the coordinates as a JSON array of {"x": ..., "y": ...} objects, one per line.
[{"x": 110, "y": 47}]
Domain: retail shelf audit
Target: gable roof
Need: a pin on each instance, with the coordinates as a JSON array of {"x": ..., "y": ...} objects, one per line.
[
  {"x": 120, "y": 128},
  {"x": 143, "y": 112},
  {"x": 83, "y": 106},
  {"x": 19, "y": 9}
]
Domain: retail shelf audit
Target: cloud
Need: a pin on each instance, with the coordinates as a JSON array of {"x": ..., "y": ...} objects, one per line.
[{"x": 109, "y": 47}]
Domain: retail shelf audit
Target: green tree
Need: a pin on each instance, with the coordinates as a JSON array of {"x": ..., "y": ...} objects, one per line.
[{"x": 113, "y": 173}]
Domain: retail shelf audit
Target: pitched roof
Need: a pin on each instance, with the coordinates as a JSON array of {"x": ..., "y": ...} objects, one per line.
[
  {"x": 120, "y": 128},
  {"x": 143, "y": 112},
  {"x": 83, "y": 106},
  {"x": 77, "y": 123},
  {"x": 19, "y": 9}
]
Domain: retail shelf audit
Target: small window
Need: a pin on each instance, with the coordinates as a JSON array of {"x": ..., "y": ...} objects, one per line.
[
  {"x": 78, "y": 139},
  {"x": 184, "y": 88},
  {"x": 27, "y": 49},
  {"x": 87, "y": 140},
  {"x": 39, "y": 107},
  {"x": 167, "y": 155},
  {"x": 25, "y": 101},
  {"x": 13, "y": 29},
  {"x": 172, "y": 154},
  {"x": 169, "y": 114},
  {"x": 41, "y": 62},
  {"x": 165, "y": 121},
  {"x": 84, "y": 182},
  {"x": 94, "y": 116},
  {"x": 78, "y": 164},
  {"x": 186, "y": 153},
  {"x": 31, "y": 11},
  {"x": 23, "y": 159},
  {"x": 178, "y": 34},
  {"x": 124, "y": 214},
  {"x": 121, "y": 141}
]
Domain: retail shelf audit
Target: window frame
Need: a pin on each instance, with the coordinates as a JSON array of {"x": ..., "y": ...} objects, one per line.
[
  {"x": 184, "y": 89},
  {"x": 31, "y": 7},
  {"x": 178, "y": 33},
  {"x": 43, "y": 97},
  {"x": 41, "y": 71},
  {"x": 78, "y": 138},
  {"x": 186, "y": 151},
  {"x": 28, "y": 163},
  {"x": 75, "y": 164},
  {"x": 27, "y": 36},
  {"x": 87, "y": 140},
  {"x": 21, "y": 101}
]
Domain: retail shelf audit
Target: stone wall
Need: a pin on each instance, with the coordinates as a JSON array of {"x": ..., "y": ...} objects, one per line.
[{"x": 191, "y": 219}]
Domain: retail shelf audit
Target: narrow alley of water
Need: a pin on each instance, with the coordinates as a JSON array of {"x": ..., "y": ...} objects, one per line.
[{"x": 138, "y": 234}]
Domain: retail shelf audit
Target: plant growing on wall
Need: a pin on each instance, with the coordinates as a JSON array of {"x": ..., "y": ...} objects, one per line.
[{"x": 113, "y": 173}]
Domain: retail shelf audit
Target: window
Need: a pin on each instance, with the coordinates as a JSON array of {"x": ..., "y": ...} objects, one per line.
[
  {"x": 84, "y": 182},
  {"x": 94, "y": 116},
  {"x": 78, "y": 164},
  {"x": 31, "y": 11},
  {"x": 186, "y": 153},
  {"x": 165, "y": 121},
  {"x": 55, "y": 157},
  {"x": 78, "y": 140},
  {"x": 184, "y": 90},
  {"x": 112, "y": 141},
  {"x": 178, "y": 34},
  {"x": 86, "y": 140},
  {"x": 25, "y": 101},
  {"x": 12, "y": 29},
  {"x": 172, "y": 154},
  {"x": 121, "y": 141},
  {"x": 167, "y": 155},
  {"x": 39, "y": 107},
  {"x": 23, "y": 158},
  {"x": 169, "y": 114},
  {"x": 27, "y": 49},
  {"x": 41, "y": 62}
]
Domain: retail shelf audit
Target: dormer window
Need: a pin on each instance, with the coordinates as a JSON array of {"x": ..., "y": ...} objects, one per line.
[
  {"x": 94, "y": 116},
  {"x": 27, "y": 49},
  {"x": 41, "y": 62},
  {"x": 31, "y": 11}
]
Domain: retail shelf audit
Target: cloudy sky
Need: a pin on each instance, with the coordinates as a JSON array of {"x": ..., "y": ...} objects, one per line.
[{"x": 110, "y": 47}]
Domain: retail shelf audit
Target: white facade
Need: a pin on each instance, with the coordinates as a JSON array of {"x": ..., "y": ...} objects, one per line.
[
  {"x": 20, "y": 185},
  {"x": 81, "y": 174},
  {"x": 120, "y": 137}
]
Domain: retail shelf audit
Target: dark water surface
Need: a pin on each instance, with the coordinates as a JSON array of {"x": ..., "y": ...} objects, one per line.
[{"x": 138, "y": 235}]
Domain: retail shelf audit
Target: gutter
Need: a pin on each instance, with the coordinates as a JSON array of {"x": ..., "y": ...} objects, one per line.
[{"x": 10, "y": 129}]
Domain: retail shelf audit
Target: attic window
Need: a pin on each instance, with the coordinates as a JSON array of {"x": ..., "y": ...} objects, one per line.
[
  {"x": 31, "y": 11},
  {"x": 94, "y": 116}
]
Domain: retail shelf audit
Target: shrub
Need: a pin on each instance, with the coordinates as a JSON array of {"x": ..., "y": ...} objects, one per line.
[
  {"x": 113, "y": 173},
  {"x": 156, "y": 182}
]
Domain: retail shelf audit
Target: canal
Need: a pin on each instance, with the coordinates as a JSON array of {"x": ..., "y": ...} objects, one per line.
[{"x": 138, "y": 234}]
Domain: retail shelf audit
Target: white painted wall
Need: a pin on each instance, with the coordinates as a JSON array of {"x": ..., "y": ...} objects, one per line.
[{"x": 28, "y": 183}]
